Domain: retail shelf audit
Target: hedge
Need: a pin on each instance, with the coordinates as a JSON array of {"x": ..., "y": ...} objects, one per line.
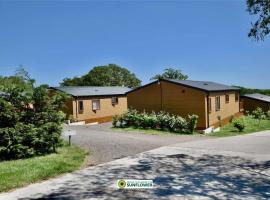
[{"x": 159, "y": 121}]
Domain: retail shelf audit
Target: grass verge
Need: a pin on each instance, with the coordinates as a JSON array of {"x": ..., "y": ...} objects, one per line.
[
  {"x": 151, "y": 131},
  {"x": 251, "y": 125},
  {"x": 18, "y": 173}
]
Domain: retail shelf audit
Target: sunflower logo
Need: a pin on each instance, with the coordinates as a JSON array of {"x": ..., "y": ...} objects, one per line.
[{"x": 121, "y": 184}]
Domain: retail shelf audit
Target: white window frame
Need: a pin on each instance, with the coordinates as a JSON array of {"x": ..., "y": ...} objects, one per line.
[{"x": 97, "y": 107}]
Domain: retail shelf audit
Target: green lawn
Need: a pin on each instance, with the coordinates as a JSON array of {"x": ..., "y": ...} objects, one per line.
[
  {"x": 151, "y": 131},
  {"x": 142, "y": 130},
  {"x": 251, "y": 125},
  {"x": 18, "y": 173}
]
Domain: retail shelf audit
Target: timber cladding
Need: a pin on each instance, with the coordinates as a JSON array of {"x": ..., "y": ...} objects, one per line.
[
  {"x": 252, "y": 104},
  {"x": 82, "y": 108},
  {"x": 147, "y": 98},
  {"x": 169, "y": 97},
  {"x": 184, "y": 100},
  {"x": 227, "y": 108}
]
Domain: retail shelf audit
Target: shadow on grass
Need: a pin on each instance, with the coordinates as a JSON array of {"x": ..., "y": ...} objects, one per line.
[{"x": 205, "y": 176}]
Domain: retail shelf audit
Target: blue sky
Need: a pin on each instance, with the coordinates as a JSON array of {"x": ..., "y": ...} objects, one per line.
[{"x": 205, "y": 39}]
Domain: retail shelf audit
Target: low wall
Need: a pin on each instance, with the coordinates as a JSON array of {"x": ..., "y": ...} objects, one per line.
[{"x": 99, "y": 120}]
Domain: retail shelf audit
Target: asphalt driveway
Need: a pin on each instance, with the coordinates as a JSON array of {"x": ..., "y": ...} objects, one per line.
[
  {"x": 105, "y": 144},
  {"x": 223, "y": 168}
]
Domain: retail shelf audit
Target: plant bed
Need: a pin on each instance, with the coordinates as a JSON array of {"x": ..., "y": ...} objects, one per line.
[
  {"x": 251, "y": 125},
  {"x": 161, "y": 121},
  {"x": 19, "y": 173}
]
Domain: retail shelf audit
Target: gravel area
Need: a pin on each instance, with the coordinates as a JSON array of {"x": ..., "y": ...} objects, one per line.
[{"x": 105, "y": 144}]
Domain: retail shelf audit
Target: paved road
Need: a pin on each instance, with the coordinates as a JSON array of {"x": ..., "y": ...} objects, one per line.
[
  {"x": 224, "y": 168},
  {"x": 105, "y": 144}
]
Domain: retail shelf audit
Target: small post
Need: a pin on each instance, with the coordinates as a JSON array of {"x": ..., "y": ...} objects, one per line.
[{"x": 69, "y": 140}]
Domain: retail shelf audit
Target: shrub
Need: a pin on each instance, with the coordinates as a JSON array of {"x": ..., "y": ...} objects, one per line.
[
  {"x": 163, "y": 121},
  {"x": 239, "y": 125},
  {"x": 268, "y": 114},
  {"x": 178, "y": 124},
  {"x": 258, "y": 114},
  {"x": 30, "y": 122},
  {"x": 160, "y": 121},
  {"x": 192, "y": 122},
  {"x": 147, "y": 120}
]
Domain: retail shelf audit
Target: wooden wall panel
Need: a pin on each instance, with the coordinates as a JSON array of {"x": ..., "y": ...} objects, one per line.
[
  {"x": 184, "y": 101},
  {"x": 147, "y": 98},
  {"x": 226, "y": 109},
  {"x": 107, "y": 110},
  {"x": 252, "y": 104}
]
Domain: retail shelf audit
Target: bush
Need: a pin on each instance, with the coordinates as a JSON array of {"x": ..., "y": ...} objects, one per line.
[
  {"x": 268, "y": 114},
  {"x": 192, "y": 123},
  {"x": 160, "y": 121},
  {"x": 258, "y": 114},
  {"x": 30, "y": 122},
  {"x": 239, "y": 125},
  {"x": 164, "y": 121}
]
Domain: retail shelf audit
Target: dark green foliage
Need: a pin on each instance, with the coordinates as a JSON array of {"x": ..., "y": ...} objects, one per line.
[
  {"x": 170, "y": 73},
  {"x": 159, "y": 121},
  {"x": 107, "y": 75},
  {"x": 239, "y": 124},
  {"x": 192, "y": 123},
  {"x": 261, "y": 27},
  {"x": 30, "y": 121},
  {"x": 244, "y": 90}
]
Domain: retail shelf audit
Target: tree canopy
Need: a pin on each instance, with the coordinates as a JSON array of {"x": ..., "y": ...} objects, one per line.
[
  {"x": 261, "y": 27},
  {"x": 21, "y": 79},
  {"x": 30, "y": 119},
  {"x": 107, "y": 75},
  {"x": 244, "y": 90},
  {"x": 170, "y": 73}
]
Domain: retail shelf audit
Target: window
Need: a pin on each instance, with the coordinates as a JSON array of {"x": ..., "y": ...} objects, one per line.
[
  {"x": 209, "y": 105},
  {"x": 217, "y": 103},
  {"x": 80, "y": 105},
  {"x": 114, "y": 101},
  {"x": 236, "y": 96},
  {"x": 227, "y": 98},
  {"x": 96, "y": 104}
]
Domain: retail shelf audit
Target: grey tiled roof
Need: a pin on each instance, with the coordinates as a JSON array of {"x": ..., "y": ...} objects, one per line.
[
  {"x": 204, "y": 85},
  {"x": 92, "y": 90},
  {"x": 258, "y": 96}
]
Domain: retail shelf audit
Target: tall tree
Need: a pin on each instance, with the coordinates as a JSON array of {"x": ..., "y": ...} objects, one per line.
[
  {"x": 171, "y": 73},
  {"x": 107, "y": 75},
  {"x": 261, "y": 28},
  {"x": 21, "y": 79}
]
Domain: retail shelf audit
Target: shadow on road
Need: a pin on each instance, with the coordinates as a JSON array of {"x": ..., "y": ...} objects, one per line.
[{"x": 206, "y": 176}]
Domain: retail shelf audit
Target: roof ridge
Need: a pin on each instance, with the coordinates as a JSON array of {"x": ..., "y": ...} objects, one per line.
[{"x": 88, "y": 86}]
